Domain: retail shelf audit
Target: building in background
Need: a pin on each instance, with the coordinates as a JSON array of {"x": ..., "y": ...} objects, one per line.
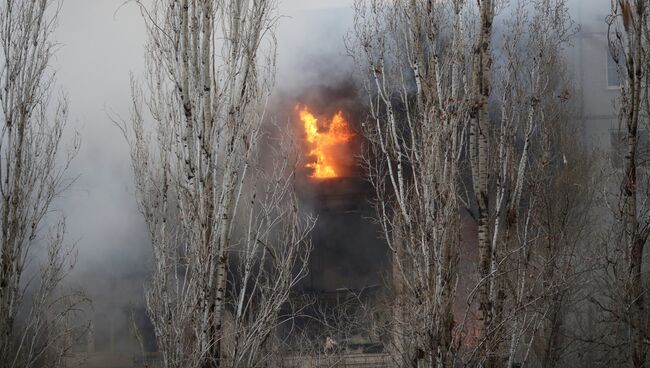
[
  {"x": 111, "y": 341},
  {"x": 594, "y": 74}
]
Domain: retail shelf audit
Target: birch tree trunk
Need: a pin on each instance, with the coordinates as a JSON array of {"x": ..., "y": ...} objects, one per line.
[
  {"x": 479, "y": 156},
  {"x": 630, "y": 48}
]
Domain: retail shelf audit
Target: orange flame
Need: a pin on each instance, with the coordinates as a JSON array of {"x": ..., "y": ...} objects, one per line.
[{"x": 325, "y": 142}]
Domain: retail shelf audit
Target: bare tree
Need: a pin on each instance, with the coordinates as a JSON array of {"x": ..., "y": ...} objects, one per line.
[
  {"x": 272, "y": 259},
  {"x": 537, "y": 227},
  {"x": 34, "y": 311},
  {"x": 210, "y": 67},
  {"x": 557, "y": 257},
  {"x": 414, "y": 66},
  {"x": 521, "y": 140},
  {"x": 443, "y": 98},
  {"x": 629, "y": 41}
]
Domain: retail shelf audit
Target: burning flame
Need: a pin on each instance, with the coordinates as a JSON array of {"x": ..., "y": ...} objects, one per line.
[{"x": 325, "y": 142}]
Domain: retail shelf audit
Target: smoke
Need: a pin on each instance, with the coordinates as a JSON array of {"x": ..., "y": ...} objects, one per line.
[
  {"x": 315, "y": 70},
  {"x": 99, "y": 47},
  {"x": 101, "y": 44}
]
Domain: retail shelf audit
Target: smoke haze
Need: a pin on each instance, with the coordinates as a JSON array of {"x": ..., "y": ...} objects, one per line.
[{"x": 102, "y": 43}]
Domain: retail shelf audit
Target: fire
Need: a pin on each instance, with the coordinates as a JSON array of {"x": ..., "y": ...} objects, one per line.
[{"x": 326, "y": 141}]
